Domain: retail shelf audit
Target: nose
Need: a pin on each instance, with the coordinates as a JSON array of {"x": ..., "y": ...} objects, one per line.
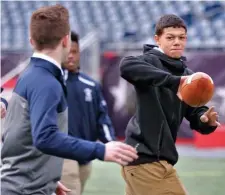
[
  {"x": 177, "y": 41},
  {"x": 70, "y": 56}
]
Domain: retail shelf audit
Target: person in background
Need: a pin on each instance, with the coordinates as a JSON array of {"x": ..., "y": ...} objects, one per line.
[{"x": 88, "y": 115}]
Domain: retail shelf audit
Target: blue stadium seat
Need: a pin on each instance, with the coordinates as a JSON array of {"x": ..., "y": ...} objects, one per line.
[{"x": 115, "y": 19}]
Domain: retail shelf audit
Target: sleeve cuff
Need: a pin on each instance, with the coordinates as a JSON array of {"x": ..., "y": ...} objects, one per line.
[
  {"x": 100, "y": 151},
  {"x": 206, "y": 129}
]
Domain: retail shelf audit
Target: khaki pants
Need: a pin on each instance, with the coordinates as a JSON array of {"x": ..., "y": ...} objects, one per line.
[
  {"x": 74, "y": 176},
  {"x": 156, "y": 178}
]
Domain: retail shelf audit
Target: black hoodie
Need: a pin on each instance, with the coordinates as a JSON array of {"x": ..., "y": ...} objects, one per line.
[{"x": 153, "y": 129}]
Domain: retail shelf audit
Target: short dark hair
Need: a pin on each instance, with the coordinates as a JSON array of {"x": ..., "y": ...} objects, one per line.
[
  {"x": 169, "y": 20},
  {"x": 48, "y": 26},
  {"x": 74, "y": 37}
]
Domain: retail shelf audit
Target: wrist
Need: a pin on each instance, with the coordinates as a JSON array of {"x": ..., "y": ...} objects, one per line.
[{"x": 100, "y": 151}]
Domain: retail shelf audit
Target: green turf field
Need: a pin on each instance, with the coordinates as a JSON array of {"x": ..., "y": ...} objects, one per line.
[{"x": 200, "y": 176}]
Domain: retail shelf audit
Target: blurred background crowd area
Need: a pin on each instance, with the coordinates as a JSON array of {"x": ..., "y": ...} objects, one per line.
[{"x": 110, "y": 30}]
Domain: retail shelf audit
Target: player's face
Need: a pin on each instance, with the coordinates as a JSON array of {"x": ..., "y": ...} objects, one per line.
[
  {"x": 72, "y": 63},
  {"x": 172, "y": 41}
]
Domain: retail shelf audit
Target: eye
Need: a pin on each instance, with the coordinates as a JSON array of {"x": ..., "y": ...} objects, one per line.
[
  {"x": 182, "y": 38},
  {"x": 169, "y": 38}
]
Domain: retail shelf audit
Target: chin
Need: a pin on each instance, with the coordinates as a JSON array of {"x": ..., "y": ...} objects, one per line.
[{"x": 175, "y": 55}]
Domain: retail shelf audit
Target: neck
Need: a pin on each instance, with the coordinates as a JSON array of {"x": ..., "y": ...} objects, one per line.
[
  {"x": 76, "y": 70},
  {"x": 159, "y": 49},
  {"x": 54, "y": 54},
  {"x": 73, "y": 70}
]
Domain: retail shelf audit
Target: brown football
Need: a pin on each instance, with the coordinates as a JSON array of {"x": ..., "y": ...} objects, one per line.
[{"x": 198, "y": 89}]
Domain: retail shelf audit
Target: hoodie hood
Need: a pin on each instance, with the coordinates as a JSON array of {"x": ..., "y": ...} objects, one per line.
[
  {"x": 150, "y": 49},
  {"x": 171, "y": 63}
]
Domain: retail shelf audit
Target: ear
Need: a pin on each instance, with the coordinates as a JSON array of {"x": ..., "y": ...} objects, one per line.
[
  {"x": 157, "y": 38},
  {"x": 66, "y": 41},
  {"x": 31, "y": 41}
]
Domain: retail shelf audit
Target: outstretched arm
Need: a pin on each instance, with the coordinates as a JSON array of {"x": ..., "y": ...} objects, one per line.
[
  {"x": 139, "y": 72},
  {"x": 47, "y": 138}
]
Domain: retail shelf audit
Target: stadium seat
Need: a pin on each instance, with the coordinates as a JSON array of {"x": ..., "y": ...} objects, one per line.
[{"x": 113, "y": 19}]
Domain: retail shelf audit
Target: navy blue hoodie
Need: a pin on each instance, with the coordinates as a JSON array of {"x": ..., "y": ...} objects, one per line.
[{"x": 87, "y": 109}]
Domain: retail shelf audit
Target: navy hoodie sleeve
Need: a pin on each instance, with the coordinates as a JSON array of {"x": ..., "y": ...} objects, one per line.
[
  {"x": 47, "y": 138},
  {"x": 193, "y": 116},
  {"x": 106, "y": 130},
  {"x": 139, "y": 72}
]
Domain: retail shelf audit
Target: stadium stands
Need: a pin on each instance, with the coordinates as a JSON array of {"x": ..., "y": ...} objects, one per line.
[{"x": 119, "y": 20}]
